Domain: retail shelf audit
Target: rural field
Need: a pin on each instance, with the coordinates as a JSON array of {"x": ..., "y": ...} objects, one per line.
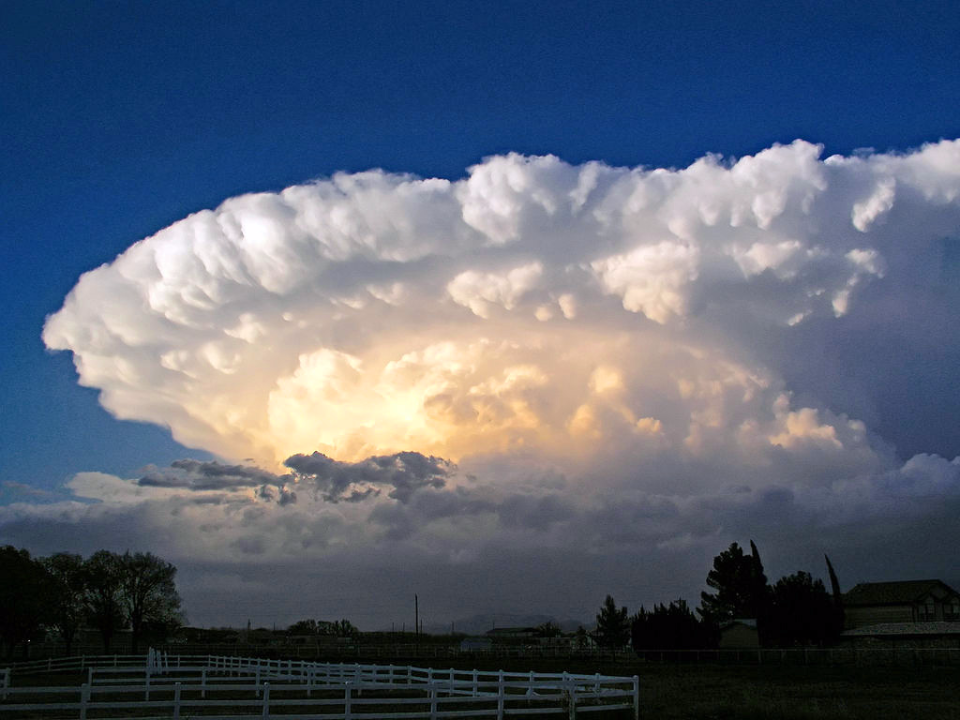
[
  {"x": 734, "y": 692},
  {"x": 744, "y": 692}
]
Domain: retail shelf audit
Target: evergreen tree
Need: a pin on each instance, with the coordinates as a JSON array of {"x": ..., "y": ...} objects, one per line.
[
  {"x": 801, "y": 614},
  {"x": 669, "y": 627},
  {"x": 839, "y": 616},
  {"x": 740, "y": 584},
  {"x": 613, "y": 628}
]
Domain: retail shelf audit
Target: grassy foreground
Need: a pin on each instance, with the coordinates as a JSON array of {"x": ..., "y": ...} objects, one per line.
[
  {"x": 749, "y": 692},
  {"x": 787, "y": 692}
]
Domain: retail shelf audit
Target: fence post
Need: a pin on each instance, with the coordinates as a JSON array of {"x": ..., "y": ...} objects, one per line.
[
  {"x": 90, "y": 675},
  {"x": 573, "y": 700},
  {"x": 500, "y": 697},
  {"x": 176, "y": 701},
  {"x": 257, "y": 682},
  {"x": 146, "y": 693},
  {"x": 84, "y": 699},
  {"x": 433, "y": 703},
  {"x": 266, "y": 700},
  {"x": 203, "y": 683},
  {"x": 347, "y": 692},
  {"x": 636, "y": 697},
  {"x": 476, "y": 691},
  {"x": 453, "y": 681}
]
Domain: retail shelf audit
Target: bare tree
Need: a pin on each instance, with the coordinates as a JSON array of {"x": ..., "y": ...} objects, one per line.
[
  {"x": 148, "y": 593},
  {"x": 68, "y": 605},
  {"x": 102, "y": 586}
]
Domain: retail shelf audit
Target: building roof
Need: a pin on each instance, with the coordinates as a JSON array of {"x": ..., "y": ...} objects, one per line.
[
  {"x": 746, "y": 622},
  {"x": 905, "y": 629},
  {"x": 512, "y": 631},
  {"x": 902, "y": 592}
]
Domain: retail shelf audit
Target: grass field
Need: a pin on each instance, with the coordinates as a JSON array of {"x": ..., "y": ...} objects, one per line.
[{"x": 748, "y": 692}]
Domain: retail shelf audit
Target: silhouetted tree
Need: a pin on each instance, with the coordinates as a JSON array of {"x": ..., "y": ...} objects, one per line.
[
  {"x": 839, "y": 616},
  {"x": 801, "y": 613},
  {"x": 613, "y": 628},
  {"x": 148, "y": 594},
  {"x": 673, "y": 627},
  {"x": 549, "y": 629},
  {"x": 740, "y": 584},
  {"x": 102, "y": 580},
  {"x": 343, "y": 628},
  {"x": 304, "y": 627},
  {"x": 68, "y": 599},
  {"x": 25, "y": 597}
]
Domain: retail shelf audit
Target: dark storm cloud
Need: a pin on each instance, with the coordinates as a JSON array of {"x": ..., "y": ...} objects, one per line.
[
  {"x": 206, "y": 476},
  {"x": 404, "y": 472},
  {"x": 210, "y": 475}
]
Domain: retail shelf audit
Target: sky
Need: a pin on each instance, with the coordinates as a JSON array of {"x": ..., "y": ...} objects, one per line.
[{"x": 511, "y": 305}]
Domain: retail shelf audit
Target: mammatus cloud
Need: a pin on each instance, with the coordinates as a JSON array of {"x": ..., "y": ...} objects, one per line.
[{"x": 617, "y": 360}]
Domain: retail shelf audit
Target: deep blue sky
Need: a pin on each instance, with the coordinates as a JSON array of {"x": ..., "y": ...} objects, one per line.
[{"x": 119, "y": 118}]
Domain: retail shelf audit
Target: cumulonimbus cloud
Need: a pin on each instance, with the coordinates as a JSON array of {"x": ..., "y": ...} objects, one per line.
[
  {"x": 532, "y": 306},
  {"x": 621, "y": 362}
]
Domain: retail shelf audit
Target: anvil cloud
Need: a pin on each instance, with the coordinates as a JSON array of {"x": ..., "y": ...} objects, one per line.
[{"x": 627, "y": 357}]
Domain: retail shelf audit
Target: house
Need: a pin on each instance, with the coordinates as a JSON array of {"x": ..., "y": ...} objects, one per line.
[
  {"x": 905, "y": 601},
  {"x": 739, "y": 633},
  {"x": 924, "y": 634}
]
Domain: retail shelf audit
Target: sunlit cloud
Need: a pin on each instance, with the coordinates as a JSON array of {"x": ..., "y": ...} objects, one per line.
[
  {"x": 378, "y": 313},
  {"x": 519, "y": 355}
]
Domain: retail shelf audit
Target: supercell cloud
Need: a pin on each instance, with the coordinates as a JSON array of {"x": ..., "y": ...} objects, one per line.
[{"x": 536, "y": 352}]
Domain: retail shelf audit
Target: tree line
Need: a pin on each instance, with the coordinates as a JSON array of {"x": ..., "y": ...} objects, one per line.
[
  {"x": 65, "y": 593},
  {"x": 796, "y": 611},
  {"x": 337, "y": 628}
]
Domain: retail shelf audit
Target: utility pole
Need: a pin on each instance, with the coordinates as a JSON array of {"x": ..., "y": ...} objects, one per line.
[{"x": 416, "y": 621}]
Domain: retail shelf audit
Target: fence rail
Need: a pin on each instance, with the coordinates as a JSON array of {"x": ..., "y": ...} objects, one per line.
[{"x": 327, "y": 691}]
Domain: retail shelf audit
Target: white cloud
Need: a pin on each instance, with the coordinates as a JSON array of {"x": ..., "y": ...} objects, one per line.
[
  {"x": 206, "y": 325},
  {"x": 479, "y": 291},
  {"x": 582, "y": 340}
]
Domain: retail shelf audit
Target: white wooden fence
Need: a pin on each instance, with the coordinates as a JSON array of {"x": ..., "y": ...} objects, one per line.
[{"x": 264, "y": 688}]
